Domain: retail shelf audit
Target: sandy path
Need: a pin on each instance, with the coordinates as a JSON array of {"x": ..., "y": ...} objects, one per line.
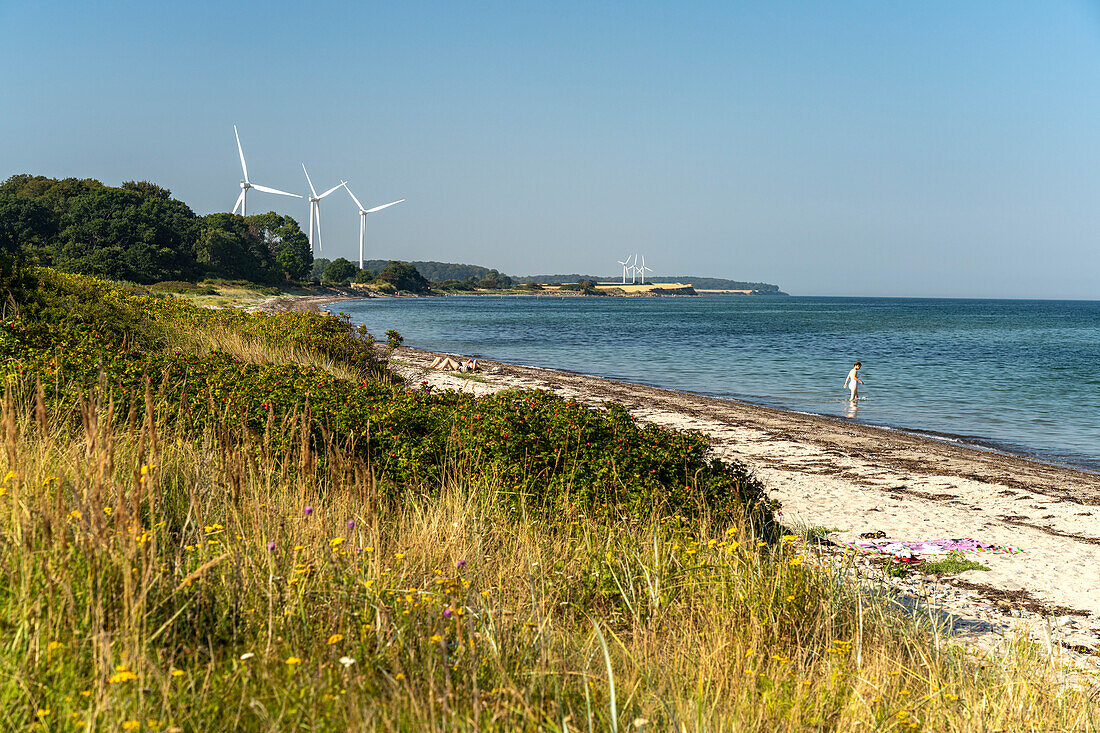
[{"x": 832, "y": 473}]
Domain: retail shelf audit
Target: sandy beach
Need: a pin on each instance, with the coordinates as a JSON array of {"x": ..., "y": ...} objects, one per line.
[{"x": 852, "y": 479}]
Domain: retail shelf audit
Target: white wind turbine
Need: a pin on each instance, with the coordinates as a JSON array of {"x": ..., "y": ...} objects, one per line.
[
  {"x": 625, "y": 263},
  {"x": 643, "y": 268},
  {"x": 363, "y": 218},
  {"x": 634, "y": 270},
  {"x": 246, "y": 184},
  {"x": 315, "y": 209}
]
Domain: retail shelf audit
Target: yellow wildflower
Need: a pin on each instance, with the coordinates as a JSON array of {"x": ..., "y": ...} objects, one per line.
[
  {"x": 400, "y": 556},
  {"x": 10, "y": 475},
  {"x": 123, "y": 675},
  {"x": 75, "y": 514},
  {"x": 54, "y": 646},
  {"x": 399, "y": 676},
  {"x": 108, "y": 511},
  {"x": 43, "y": 712},
  {"x": 335, "y": 639},
  {"x": 131, "y": 725},
  {"x": 177, "y": 673},
  {"x": 795, "y": 561},
  {"x": 436, "y": 638},
  {"x": 293, "y": 660},
  {"x": 789, "y": 538},
  {"x": 85, "y": 693},
  {"x": 336, "y": 542}
]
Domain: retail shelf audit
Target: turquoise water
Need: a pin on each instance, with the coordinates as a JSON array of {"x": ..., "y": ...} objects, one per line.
[{"x": 1020, "y": 376}]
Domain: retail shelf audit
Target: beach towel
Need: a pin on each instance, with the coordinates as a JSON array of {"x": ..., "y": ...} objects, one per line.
[{"x": 903, "y": 549}]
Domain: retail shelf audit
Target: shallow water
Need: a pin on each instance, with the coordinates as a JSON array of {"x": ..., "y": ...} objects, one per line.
[{"x": 1020, "y": 376}]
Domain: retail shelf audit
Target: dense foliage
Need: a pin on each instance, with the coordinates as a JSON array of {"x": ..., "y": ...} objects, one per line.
[
  {"x": 139, "y": 233},
  {"x": 73, "y": 333},
  {"x": 438, "y": 272}
]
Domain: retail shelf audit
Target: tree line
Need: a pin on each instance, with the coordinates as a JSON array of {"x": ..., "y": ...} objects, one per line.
[{"x": 138, "y": 232}]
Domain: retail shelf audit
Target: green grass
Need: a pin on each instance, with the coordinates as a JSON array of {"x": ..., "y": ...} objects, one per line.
[
  {"x": 816, "y": 533},
  {"x": 949, "y": 566}
]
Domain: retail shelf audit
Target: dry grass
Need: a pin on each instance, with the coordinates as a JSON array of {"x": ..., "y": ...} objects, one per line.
[
  {"x": 139, "y": 590},
  {"x": 259, "y": 351}
]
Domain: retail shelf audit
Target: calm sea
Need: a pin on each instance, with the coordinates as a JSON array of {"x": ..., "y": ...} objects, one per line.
[{"x": 1018, "y": 376}]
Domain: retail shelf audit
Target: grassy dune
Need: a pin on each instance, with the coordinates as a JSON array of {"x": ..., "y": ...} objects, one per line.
[{"x": 255, "y": 571}]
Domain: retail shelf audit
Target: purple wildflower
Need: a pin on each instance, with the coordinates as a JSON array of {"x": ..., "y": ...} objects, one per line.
[
  {"x": 447, "y": 613},
  {"x": 309, "y": 510},
  {"x": 271, "y": 546},
  {"x": 461, "y": 564},
  {"x": 351, "y": 524}
]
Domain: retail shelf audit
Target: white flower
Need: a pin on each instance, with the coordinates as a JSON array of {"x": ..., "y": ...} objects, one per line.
[
  {"x": 346, "y": 661},
  {"x": 246, "y": 656}
]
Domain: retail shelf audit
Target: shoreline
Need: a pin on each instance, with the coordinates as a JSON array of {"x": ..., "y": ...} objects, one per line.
[{"x": 850, "y": 478}]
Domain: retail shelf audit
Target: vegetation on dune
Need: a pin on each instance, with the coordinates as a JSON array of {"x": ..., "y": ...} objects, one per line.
[{"x": 214, "y": 520}]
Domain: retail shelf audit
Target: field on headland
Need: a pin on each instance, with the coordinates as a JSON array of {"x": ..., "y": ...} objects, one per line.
[{"x": 221, "y": 520}]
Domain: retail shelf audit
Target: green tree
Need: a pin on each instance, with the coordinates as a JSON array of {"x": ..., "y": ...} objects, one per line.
[
  {"x": 339, "y": 271},
  {"x": 287, "y": 243},
  {"x": 121, "y": 233},
  {"x": 318, "y": 269},
  {"x": 404, "y": 276},
  {"x": 229, "y": 247}
]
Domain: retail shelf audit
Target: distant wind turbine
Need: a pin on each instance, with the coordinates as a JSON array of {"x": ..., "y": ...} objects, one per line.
[
  {"x": 315, "y": 209},
  {"x": 625, "y": 263},
  {"x": 363, "y": 218},
  {"x": 246, "y": 184},
  {"x": 634, "y": 270},
  {"x": 643, "y": 268}
]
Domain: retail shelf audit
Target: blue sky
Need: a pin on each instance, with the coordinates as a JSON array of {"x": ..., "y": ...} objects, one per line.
[{"x": 861, "y": 148}]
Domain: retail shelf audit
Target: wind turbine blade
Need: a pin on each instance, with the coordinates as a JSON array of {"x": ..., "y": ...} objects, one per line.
[
  {"x": 265, "y": 189},
  {"x": 383, "y": 206},
  {"x": 311, "y": 188},
  {"x": 353, "y": 196},
  {"x": 240, "y": 200},
  {"x": 240, "y": 150},
  {"x": 318, "y": 226},
  {"x": 326, "y": 193}
]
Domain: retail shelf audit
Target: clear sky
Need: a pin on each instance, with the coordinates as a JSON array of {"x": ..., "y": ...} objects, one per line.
[{"x": 859, "y": 148}]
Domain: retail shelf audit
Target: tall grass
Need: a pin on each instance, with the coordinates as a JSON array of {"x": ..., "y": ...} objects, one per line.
[
  {"x": 153, "y": 579},
  {"x": 257, "y": 350}
]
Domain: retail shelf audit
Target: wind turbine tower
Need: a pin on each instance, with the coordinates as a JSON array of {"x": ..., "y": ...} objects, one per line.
[
  {"x": 246, "y": 184},
  {"x": 315, "y": 209},
  {"x": 363, "y": 218},
  {"x": 625, "y": 263},
  {"x": 643, "y": 268}
]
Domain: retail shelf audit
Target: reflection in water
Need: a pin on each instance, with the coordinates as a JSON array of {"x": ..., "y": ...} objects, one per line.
[{"x": 851, "y": 407}]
